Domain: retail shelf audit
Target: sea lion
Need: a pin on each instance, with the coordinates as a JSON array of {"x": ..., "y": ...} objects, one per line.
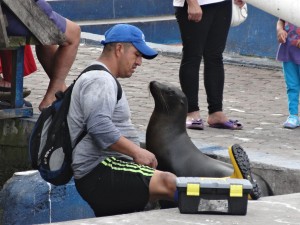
[{"x": 167, "y": 138}]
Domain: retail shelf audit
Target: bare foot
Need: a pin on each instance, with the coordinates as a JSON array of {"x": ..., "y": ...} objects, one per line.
[
  {"x": 47, "y": 101},
  {"x": 216, "y": 117},
  {"x": 193, "y": 115},
  {"x": 49, "y": 97},
  {"x": 5, "y": 84}
]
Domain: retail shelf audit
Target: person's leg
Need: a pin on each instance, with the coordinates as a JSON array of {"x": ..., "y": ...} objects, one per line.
[
  {"x": 162, "y": 186},
  {"x": 6, "y": 60},
  {"x": 291, "y": 76},
  {"x": 5, "y": 82},
  {"x": 213, "y": 60},
  {"x": 117, "y": 187},
  {"x": 298, "y": 72},
  {"x": 57, "y": 62},
  {"x": 193, "y": 37}
]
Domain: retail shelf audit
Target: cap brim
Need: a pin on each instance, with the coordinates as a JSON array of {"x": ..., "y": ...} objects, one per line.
[{"x": 145, "y": 50}]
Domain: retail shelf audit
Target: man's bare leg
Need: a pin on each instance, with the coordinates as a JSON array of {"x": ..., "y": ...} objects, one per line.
[
  {"x": 162, "y": 186},
  {"x": 57, "y": 62}
]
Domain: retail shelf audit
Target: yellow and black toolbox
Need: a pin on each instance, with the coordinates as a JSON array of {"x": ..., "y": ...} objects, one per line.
[{"x": 213, "y": 195}]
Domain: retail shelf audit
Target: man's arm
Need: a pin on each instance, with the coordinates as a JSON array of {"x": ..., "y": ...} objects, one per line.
[{"x": 139, "y": 155}]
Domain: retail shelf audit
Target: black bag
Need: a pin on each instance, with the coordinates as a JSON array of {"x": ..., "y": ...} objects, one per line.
[{"x": 50, "y": 146}]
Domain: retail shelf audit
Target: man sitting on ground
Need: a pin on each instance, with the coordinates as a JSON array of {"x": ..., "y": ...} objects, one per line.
[{"x": 112, "y": 172}]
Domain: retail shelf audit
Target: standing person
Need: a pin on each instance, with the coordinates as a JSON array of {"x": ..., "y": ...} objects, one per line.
[
  {"x": 6, "y": 66},
  {"x": 56, "y": 60},
  {"x": 6, "y": 69},
  {"x": 288, "y": 53},
  {"x": 204, "y": 26},
  {"x": 111, "y": 171}
]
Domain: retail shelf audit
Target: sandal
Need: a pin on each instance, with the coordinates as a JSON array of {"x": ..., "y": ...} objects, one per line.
[
  {"x": 195, "y": 124},
  {"x": 230, "y": 124},
  {"x": 6, "y": 95},
  {"x": 7, "y": 105}
]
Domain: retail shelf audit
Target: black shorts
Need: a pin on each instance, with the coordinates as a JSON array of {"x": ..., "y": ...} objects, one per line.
[{"x": 116, "y": 187}]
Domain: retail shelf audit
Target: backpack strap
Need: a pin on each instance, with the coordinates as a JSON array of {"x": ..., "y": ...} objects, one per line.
[
  {"x": 100, "y": 67},
  {"x": 79, "y": 138},
  {"x": 119, "y": 94}
]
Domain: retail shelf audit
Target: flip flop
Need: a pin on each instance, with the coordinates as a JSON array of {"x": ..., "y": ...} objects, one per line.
[
  {"x": 230, "y": 124},
  {"x": 195, "y": 124},
  {"x": 8, "y": 88},
  {"x": 5, "y": 89},
  {"x": 7, "y": 105}
]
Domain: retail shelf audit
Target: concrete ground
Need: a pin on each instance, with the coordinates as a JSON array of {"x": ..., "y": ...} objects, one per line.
[
  {"x": 254, "y": 94},
  {"x": 282, "y": 209}
]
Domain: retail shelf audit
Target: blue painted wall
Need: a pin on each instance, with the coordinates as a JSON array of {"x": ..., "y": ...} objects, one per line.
[
  {"x": 255, "y": 37},
  {"x": 111, "y": 9},
  {"x": 162, "y": 32}
]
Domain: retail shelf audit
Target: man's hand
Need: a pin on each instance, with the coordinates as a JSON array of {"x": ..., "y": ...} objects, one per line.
[
  {"x": 138, "y": 154},
  {"x": 145, "y": 157}
]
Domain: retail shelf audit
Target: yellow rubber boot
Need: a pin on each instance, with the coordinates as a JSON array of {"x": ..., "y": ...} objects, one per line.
[{"x": 242, "y": 170}]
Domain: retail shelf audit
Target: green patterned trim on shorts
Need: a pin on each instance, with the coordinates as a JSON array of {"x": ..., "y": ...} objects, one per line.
[{"x": 133, "y": 167}]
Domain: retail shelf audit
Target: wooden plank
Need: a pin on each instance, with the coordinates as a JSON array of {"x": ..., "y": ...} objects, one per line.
[
  {"x": 36, "y": 21},
  {"x": 4, "y": 42},
  {"x": 16, "y": 113},
  {"x": 17, "y": 41}
]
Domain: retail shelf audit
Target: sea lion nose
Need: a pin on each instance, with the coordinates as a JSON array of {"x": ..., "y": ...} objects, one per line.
[{"x": 153, "y": 84}]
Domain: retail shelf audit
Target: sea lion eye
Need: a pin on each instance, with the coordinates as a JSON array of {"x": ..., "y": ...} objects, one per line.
[{"x": 171, "y": 92}]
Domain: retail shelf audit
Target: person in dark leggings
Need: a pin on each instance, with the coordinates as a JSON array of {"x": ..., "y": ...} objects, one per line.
[{"x": 204, "y": 29}]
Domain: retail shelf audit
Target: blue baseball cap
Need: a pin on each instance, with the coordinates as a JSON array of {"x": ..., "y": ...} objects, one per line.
[{"x": 130, "y": 34}]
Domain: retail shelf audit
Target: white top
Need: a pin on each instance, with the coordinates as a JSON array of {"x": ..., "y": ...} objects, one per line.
[{"x": 180, "y": 3}]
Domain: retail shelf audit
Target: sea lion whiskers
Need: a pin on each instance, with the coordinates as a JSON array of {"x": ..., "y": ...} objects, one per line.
[
  {"x": 161, "y": 99},
  {"x": 164, "y": 102}
]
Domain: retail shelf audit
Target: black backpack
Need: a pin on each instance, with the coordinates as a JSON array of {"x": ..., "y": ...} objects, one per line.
[{"x": 50, "y": 146}]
